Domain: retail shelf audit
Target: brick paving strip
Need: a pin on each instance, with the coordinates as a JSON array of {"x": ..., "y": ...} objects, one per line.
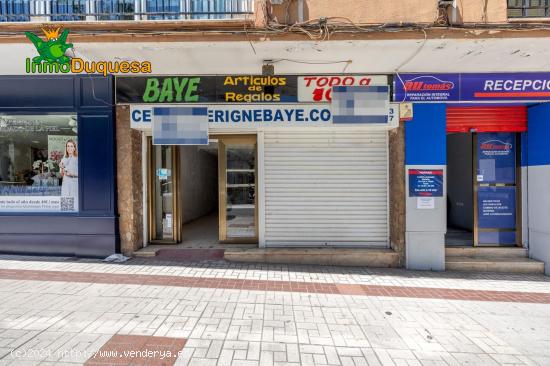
[
  {"x": 137, "y": 350},
  {"x": 285, "y": 286}
]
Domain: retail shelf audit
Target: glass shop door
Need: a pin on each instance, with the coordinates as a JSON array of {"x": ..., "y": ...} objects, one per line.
[
  {"x": 163, "y": 202},
  {"x": 497, "y": 219}
]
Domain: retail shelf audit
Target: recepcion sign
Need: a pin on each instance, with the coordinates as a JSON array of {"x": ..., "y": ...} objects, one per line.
[
  {"x": 471, "y": 87},
  {"x": 425, "y": 183}
]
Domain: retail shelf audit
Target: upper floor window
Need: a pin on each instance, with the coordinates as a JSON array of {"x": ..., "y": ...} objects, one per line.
[
  {"x": 90, "y": 10},
  {"x": 528, "y": 8}
]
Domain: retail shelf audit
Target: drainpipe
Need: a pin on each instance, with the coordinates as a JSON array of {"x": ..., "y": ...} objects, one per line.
[
  {"x": 300, "y": 11},
  {"x": 454, "y": 13}
]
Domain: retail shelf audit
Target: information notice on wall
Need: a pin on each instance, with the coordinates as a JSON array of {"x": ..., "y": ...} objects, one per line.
[{"x": 425, "y": 183}]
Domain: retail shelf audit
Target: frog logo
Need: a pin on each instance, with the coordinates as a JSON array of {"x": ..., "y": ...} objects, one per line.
[
  {"x": 53, "y": 49},
  {"x": 52, "y": 59}
]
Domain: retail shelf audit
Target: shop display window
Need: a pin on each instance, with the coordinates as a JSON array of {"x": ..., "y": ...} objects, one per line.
[{"x": 39, "y": 163}]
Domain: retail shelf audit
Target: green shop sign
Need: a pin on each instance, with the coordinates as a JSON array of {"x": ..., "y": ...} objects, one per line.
[{"x": 207, "y": 89}]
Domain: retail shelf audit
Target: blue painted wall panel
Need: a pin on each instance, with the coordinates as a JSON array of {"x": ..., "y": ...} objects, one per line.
[
  {"x": 523, "y": 146},
  {"x": 538, "y": 135},
  {"x": 38, "y": 92},
  {"x": 97, "y": 156},
  {"x": 425, "y": 135}
]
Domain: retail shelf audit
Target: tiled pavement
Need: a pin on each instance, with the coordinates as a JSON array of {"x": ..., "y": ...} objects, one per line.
[{"x": 56, "y": 311}]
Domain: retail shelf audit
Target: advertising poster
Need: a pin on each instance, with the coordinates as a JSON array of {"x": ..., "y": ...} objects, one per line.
[
  {"x": 496, "y": 207},
  {"x": 56, "y": 146},
  {"x": 39, "y": 169},
  {"x": 425, "y": 183},
  {"x": 496, "y": 154}
]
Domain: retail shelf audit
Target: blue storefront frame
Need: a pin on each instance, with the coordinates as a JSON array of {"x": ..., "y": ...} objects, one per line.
[{"x": 93, "y": 231}]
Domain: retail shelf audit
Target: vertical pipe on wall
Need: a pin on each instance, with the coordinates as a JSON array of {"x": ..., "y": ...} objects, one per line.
[
  {"x": 454, "y": 13},
  {"x": 145, "y": 175},
  {"x": 300, "y": 11},
  {"x": 260, "y": 190}
]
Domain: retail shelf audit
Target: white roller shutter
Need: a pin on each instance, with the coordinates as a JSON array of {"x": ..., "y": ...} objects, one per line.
[{"x": 326, "y": 188}]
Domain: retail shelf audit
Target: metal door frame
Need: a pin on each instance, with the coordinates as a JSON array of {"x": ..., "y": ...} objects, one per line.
[
  {"x": 224, "y": 140},
  {"x": 176, "y": 219}
]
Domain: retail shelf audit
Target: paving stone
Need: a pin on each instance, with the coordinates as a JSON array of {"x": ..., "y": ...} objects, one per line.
[{"x": 275, "y": 326}]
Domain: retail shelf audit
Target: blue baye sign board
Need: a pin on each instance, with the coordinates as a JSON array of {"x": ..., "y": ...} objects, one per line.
[
  {"x": 425, "y": 183},
  {"x": 472, "y": 87}
]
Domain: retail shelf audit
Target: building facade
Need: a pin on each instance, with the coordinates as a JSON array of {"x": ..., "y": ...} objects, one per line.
[{"x": 277, "y": 169}]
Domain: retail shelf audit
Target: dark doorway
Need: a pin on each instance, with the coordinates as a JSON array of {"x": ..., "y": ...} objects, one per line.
[{"x": 460, "y": 210}]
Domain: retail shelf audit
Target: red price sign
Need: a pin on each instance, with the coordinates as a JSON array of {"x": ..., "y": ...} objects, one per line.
[{"x": 319, "y": 88}]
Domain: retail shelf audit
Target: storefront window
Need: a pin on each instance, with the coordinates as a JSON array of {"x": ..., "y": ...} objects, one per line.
[{"x": 38, "y": 163}]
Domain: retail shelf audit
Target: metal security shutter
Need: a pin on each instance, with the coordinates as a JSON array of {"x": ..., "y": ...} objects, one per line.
[
  {"x": 326, "y": 188},
  {"x": 487, "y": 119}
]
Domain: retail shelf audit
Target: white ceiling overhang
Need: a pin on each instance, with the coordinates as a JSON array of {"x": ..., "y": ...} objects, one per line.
[{"x": 309, "y": 57}]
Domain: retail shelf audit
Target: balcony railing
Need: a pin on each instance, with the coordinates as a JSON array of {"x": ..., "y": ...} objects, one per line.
[
  {"x": 528, "y": 8},
  {"x": 93, "y": 10}
]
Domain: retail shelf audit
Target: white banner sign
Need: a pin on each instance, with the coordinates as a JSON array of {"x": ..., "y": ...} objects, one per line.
[
  {"x": 36, "y": 204},
  {"x": 246, "y": 116},
  {"x": 257, "y": 116},
  {"x": 318, "y": 88}
]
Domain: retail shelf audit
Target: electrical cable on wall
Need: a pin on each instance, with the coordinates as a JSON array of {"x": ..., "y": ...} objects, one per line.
[{"x": 94, "y": 97}]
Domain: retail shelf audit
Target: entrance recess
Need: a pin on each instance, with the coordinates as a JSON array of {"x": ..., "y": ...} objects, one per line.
[
  {"x": 483, "y": 189},
  {"x": 180, "y": 206}
]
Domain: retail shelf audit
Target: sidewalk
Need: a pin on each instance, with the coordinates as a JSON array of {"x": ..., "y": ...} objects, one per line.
[{"x": 59, "y": 310}]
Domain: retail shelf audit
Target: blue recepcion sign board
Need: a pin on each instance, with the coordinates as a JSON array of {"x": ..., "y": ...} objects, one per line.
[
  {"x": 496, "y": 157},
  {"x": 496, "y": 207},
  {"x": 425, "y": 183},
  {"x": 472, "y": 87}
]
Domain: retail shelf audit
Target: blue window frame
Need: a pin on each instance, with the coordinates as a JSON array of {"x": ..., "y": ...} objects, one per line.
[
  {"x": 15, "y": 11},
  {"x": 210, "y": 8},
  {"x": 115, "y": 9},
  {"x": 68, "y": 10},
  {"x": 166, "y": 9}
]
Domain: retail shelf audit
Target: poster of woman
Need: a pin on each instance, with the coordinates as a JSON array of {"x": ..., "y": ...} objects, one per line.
[{"x": 69, "y": 171}]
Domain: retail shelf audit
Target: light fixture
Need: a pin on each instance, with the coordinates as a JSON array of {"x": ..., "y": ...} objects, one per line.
[
  {"x": 72, "y": 121},
  {"x": 268, "y": 69}
]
